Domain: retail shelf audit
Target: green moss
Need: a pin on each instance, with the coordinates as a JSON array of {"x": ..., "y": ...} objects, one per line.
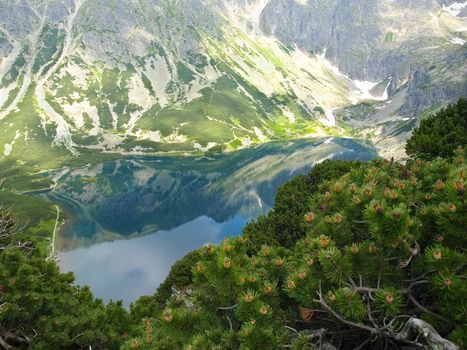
[
  {"x": 184, "y": 73},
  {"x": 147, "y": 84},
  {"x": 15, "y": 69},
  {"x": 389, "y": 37},
  {"x": 52, "y": 42}
]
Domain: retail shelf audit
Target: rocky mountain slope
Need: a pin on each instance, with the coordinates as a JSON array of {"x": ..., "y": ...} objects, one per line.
[{"x": 213, "y": 75}]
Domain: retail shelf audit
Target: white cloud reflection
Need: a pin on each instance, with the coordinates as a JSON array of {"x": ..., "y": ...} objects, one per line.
[{"x": 127, "y": 269}]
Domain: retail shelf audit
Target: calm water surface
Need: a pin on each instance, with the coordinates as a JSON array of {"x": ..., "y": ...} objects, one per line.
[
  {"x": 127, "y": 269},
  {"x": 129, "y": 220}
]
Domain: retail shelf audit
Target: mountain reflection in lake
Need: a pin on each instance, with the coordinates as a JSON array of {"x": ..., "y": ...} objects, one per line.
[{"x": 130, "y": 220}]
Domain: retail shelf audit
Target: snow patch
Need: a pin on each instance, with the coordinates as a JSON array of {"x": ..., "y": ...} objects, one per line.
[
  {"x": 456, "y": 8},
  {"x": 457, "y": 41},
  {"x": 330, "y": 119},
  {"x": 365, "y": 87},
  {"x": 255, "y": 9}
]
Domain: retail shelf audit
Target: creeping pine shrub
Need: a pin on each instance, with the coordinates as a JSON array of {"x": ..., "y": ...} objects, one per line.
[{"x": 382, "y": 243}]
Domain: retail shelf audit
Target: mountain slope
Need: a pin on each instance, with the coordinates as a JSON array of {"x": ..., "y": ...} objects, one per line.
[{"x": 192, "y": 75}]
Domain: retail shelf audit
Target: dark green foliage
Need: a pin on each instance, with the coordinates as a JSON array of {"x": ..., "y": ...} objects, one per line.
[
  {"x": 381, "y": 245},
  {"x": 330, "y": 170},
  {"x": 43, "y": 308},
  {"x": 283, "y": 225},
  {"x": 347, "y": 253},
  {"x": 441, "y": 134},
  {"x": 180, "y": 275}
]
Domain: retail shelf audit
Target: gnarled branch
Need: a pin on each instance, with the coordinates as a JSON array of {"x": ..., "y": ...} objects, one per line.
[{"x": 421, "y": 329}]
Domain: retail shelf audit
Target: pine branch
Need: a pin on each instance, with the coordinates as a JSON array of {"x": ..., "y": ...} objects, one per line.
[
  {"x": 339, "y": 317},
  {"x": 317, "y": 333},
  {"x": 385, "y": 332},
  {"x": 370, "y": 290}
]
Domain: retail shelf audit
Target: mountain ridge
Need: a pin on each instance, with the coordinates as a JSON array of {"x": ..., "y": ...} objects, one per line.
[{"x": 195, "y": 76}]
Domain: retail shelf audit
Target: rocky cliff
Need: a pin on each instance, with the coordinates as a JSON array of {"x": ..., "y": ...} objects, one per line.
[{"x": 197, "y": 75}]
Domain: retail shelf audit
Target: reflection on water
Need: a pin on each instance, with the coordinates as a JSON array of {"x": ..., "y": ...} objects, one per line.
[
  {"x": 127, "y": 269},
  {"x": 129, "y": 220}
]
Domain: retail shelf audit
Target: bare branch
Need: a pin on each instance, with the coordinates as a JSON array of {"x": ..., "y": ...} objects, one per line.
[
  {"x": 362, "y": 345},
  {"x": 420, "y": 277},
  {"x": 230, "y": 322},
  {"x": 291, "y": 329},
  {"x": 7, "y": 337},
  {"x": 413, "y": 284},
  {"x": 422, "y": 308},
  {"x": 4, "y": 344},
  {"x": 426, "y": 331},
  {"x": 227, "y": 307},
  {"x": 389, "y": 325},
  {"x": 370, "y": 316}
]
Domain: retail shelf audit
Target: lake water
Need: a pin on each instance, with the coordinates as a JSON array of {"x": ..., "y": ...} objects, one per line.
[{"x": 129, "y": 220}]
